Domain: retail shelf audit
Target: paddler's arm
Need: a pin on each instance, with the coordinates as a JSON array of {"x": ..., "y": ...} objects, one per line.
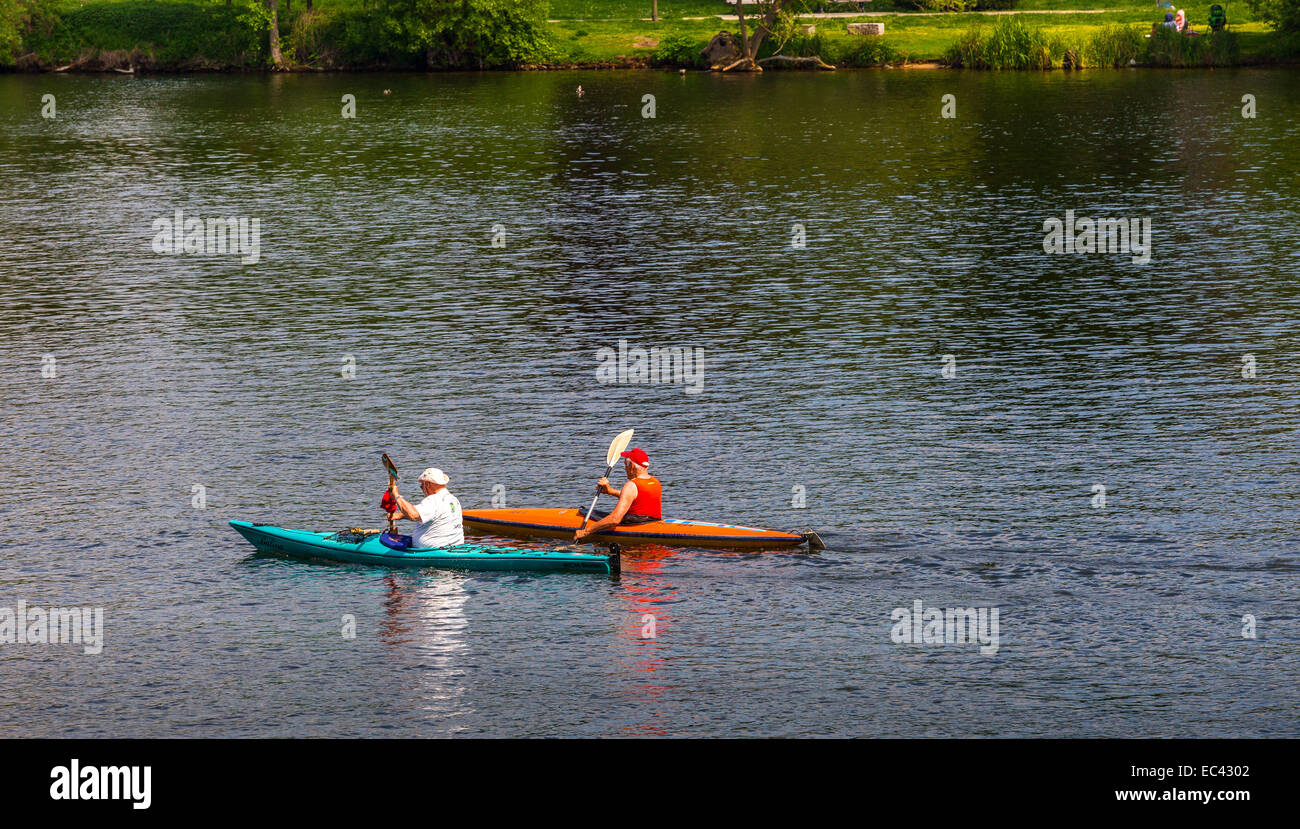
[
  {"x": 404, "y": 508},
  {"x": 625, "y": 499}
]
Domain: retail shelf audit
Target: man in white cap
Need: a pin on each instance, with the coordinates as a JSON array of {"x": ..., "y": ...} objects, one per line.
[{"x": 438, "y": 514}]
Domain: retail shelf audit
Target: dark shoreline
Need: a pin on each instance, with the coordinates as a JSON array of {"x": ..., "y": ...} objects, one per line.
[{"x": 629, "y": 66}]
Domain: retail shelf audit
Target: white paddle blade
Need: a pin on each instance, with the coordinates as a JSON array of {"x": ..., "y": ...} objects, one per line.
[{"x": 618, "y": 447}]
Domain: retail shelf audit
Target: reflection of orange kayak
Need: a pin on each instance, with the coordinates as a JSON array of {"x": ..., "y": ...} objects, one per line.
[{"x": 560, "y": 523}]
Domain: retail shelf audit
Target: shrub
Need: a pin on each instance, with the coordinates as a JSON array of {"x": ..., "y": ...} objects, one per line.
[
  {"x": 1010, "y": 44},
  {"x": 171, "y": 33},
  {"x": 943, "y": 5},
  {"x": 20, "y": 18},
  {"x": 1167, "y": 47},
  {"x": 960, "y": 5},
  {"x": 805, "y": 46},
  {"x": 1283, "y": 14},
  {"x": 306, "y": 36},
  {"x": 465, "y": 34},
  {"x": 1114, "y": 45},
  {"x": 678, "y": 50},
  {"x": 869, "y": 50}
]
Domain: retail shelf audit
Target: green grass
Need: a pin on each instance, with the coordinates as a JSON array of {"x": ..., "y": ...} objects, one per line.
[
  {"x": 184, "y": 33},
  {"x": 917, "y": 38}
]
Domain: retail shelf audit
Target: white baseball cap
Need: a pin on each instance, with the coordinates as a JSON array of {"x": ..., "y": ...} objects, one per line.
[{"x": 434, "y": 475}]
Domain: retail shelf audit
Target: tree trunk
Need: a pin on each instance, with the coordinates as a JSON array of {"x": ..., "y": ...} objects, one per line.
[
  {"x": 751, "y": 41},
  {"x": 277, "y": 59},
  {"x": 654, "y": 11},
  {"x": 787, "y": 62},
  {"x": 771, "y": 11}
]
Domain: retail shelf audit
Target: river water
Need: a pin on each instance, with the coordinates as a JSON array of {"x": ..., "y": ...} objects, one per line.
[{"x": 1100, "y": 450}]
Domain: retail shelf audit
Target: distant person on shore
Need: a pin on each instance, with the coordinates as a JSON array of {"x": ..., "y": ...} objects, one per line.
[
  {"x": 1180, "y": 20},
  {"x": 1218, "y": 18},
  {"x": 1168, "y": 23}
]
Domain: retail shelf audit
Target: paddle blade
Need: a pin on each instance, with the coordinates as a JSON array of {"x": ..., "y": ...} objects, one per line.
[
  {"x": 617, "y": 447},
  {"x": 388, "y": 464}
]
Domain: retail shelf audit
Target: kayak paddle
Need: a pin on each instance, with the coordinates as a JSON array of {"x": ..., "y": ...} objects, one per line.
[
  {"x": 392, "y": 476},
  {"x": 611, "y": 457}
]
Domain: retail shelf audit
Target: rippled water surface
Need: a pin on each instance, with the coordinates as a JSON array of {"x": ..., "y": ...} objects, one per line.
[{"x": 823, "y": 376}]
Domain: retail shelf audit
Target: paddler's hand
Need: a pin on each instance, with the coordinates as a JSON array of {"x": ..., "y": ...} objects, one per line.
[{"x": 581, "y": 533}]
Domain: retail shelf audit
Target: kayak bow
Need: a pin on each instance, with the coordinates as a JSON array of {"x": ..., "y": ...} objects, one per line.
[
  {"x": 561, "y": 523},
  {"x": 364, "y": 547}
]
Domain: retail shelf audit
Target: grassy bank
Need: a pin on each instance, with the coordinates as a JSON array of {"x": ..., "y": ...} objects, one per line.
[
  {"x": 592, "y": 31},
  {"x": 181, "y": 35}
]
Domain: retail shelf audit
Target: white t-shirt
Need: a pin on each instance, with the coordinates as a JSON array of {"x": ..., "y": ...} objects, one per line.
[{"x": 439, "y": 521}]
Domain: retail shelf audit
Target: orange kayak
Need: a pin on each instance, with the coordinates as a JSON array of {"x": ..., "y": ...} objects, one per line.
[{"x": 560, "y": 523}]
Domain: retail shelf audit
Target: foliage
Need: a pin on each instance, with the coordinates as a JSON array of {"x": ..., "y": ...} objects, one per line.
[
  {"x": 168, "y": 32},
  {"x": 468, "y": 33},
  {"x": 255, "y": 17},
  {"x": 1113, "y": 45},
  {"x": 785, "y": 28},
  {"x": 943, "y": 5},
  {"x": 1283, "y": 14},
  {"x": 1009, "y": 44},
  {"x": 867, "y": 50},
  {"x": 804, "y": 45},
  {"x": 307, "y": 38},
  {"x": 19, "y": 18},
  {"x": 679, "y": 50},
  {"x": 1168, "y": 47},
  {"x": 961, "y": 5}
]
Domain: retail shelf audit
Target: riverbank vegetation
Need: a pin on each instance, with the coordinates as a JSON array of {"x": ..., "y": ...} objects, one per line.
[
  {"x": 1011, "y": 43},
  {"x": 187, "y": 35}
]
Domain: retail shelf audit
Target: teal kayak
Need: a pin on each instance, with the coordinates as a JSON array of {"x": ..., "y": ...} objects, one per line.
[{"x": 364, "y": 547}]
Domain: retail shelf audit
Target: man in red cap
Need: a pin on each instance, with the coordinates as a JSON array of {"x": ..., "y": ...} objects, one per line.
[{"x": 639, "y": 501}]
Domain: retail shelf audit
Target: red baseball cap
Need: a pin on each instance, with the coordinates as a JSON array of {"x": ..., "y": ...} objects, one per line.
[{"x": 637, "y": 456}]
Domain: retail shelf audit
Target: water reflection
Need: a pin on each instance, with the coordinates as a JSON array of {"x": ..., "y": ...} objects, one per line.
[
  {"x": 423, "y": 626},
  {"x": 646, "y": 597}
]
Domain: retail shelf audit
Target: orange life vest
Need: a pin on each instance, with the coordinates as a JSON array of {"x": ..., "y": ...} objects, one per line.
[{"x": 649, "y": 498}]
